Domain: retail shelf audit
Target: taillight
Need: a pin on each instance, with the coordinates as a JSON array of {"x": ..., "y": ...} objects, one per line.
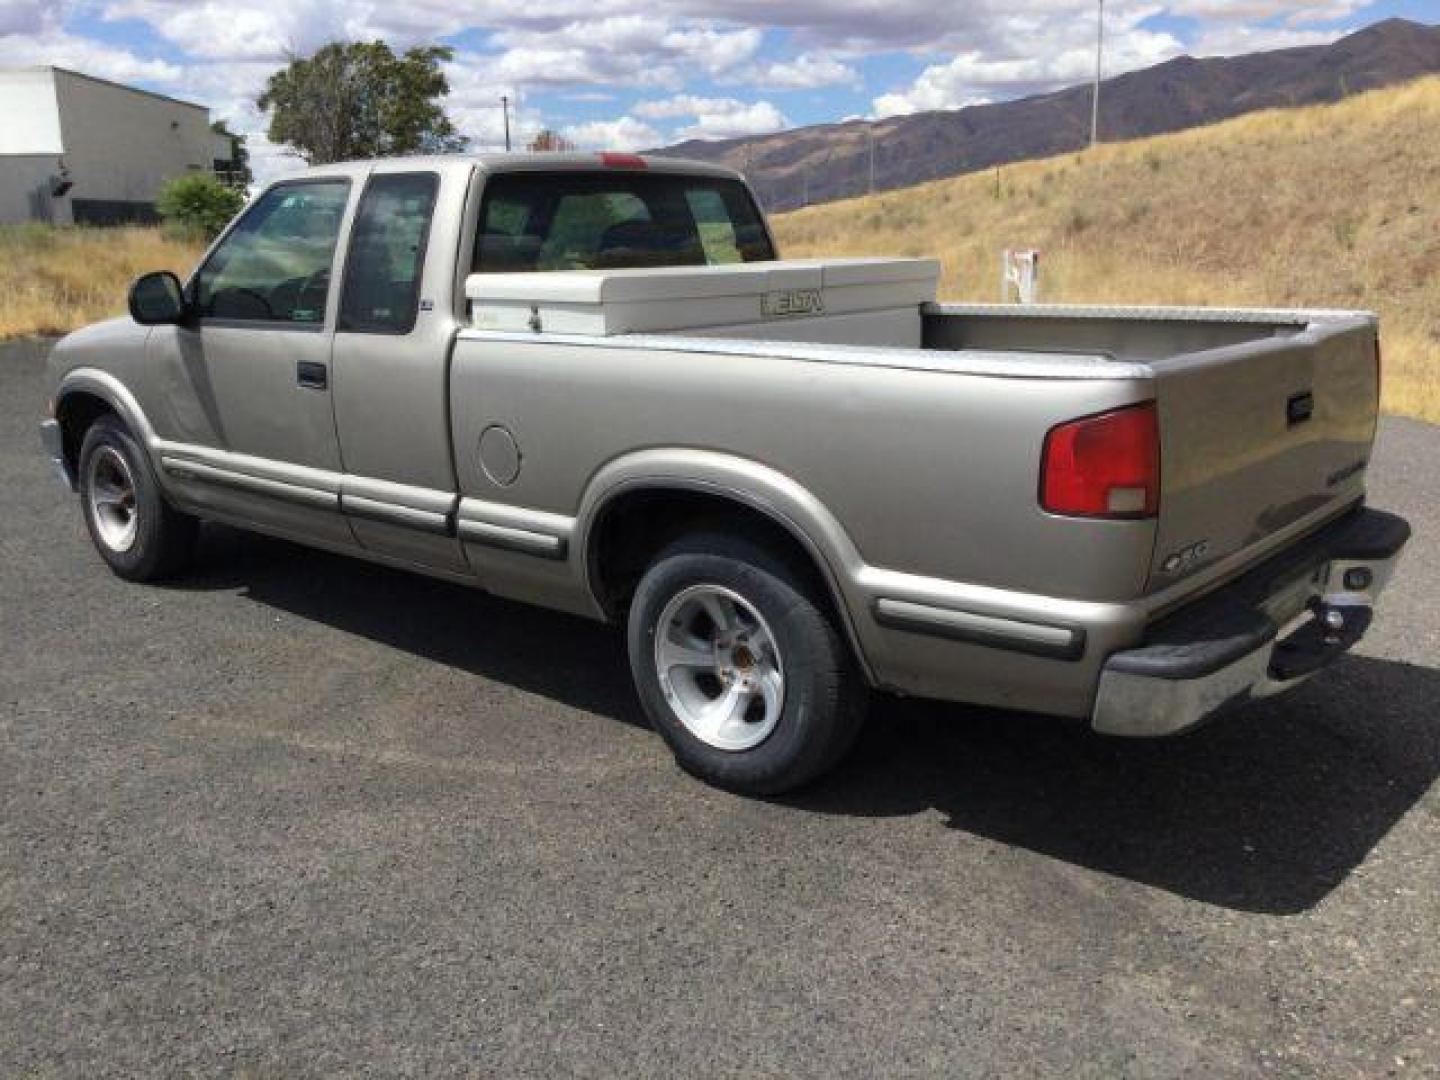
[{"x": 1105, "y": 466}]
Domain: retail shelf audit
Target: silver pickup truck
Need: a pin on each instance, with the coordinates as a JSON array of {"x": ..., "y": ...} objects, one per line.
[{"x": 588, "y": 382}]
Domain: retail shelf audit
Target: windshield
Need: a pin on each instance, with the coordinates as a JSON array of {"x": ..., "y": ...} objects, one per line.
[{"x": 609, "y": 219}]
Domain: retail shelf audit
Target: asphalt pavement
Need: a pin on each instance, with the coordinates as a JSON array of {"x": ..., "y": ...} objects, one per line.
[{"x": 297, "y": 815}]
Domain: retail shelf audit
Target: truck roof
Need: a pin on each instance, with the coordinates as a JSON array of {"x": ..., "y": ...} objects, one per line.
[{"x": 539, "y": 161}]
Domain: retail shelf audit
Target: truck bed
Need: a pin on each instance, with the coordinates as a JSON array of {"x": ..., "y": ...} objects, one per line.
[
  {"x": 1265, "y": 416},
  {"x": 1138, "y": 334}
]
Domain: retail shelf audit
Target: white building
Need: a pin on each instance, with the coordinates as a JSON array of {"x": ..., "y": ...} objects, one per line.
[{"x": 76, "y": 149}]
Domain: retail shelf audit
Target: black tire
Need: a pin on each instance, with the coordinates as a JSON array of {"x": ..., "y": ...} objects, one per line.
[
  {"x": 163, "y": 538},
  {"x": 825, "y": 695}
]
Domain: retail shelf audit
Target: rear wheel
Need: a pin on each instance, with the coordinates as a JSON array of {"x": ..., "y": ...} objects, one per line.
[
  {"x": 138, "y": 534},
  {"x": 739, "y": 667}
]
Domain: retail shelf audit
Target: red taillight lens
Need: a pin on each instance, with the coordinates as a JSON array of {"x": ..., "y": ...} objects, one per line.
[
  {"x": 1104, "y": 466},
  {"x": 613, "y": 160}
]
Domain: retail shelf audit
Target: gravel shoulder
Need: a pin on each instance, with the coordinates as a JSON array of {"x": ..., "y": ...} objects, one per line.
[{"x": 299, "y": 815}]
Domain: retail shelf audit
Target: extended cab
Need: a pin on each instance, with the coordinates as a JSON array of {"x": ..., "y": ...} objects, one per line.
[{"x": 587, "y": 382}]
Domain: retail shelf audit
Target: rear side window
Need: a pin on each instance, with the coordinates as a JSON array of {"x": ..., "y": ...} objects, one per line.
[
  {"x": 607, "y": 219},
  {"x": 387, "y": 254}
]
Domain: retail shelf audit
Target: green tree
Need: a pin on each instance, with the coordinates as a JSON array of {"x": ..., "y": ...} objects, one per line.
[
  {"x": 198, "y": 205},
  {"x": 238, "y": 175},
  {"x": 359, "y": 100}
]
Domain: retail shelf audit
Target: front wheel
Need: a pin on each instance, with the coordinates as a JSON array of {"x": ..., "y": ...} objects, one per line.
[
  {"x": 739, "y": 667},
  {"x": 138, "y": 534}
]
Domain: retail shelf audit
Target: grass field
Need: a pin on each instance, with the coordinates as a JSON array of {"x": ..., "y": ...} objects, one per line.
[
  {"x": 54, "y": 280},
  {"x": 1330, "y": 206},
  {"x": 1334, "y": 206}
]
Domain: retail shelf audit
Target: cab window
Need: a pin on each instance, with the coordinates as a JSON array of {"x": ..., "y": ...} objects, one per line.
[
  {"x": 274, "y": 266},
  {"x": 387, "y": 254},
  {"x": 605, "y": 219}
]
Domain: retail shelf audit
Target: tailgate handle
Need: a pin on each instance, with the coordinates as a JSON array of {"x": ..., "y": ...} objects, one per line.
[{"x": 1300, "y": 407}]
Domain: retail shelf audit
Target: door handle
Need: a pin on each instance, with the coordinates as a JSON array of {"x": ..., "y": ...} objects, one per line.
[
  {"x": 311, "y": 375},
  {"x": 1299, "y": 407}
]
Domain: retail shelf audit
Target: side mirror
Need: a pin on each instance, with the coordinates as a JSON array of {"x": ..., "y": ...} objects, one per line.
[{"x": 157, "y": 299}]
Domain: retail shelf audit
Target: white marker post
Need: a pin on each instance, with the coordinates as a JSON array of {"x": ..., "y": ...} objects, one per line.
[{"x": 1020, "y": 271}]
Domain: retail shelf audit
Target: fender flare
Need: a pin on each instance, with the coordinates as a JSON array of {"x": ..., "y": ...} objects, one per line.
[
  {"x": 112, "y": 391},
  {"x": 748, "y": 483}
]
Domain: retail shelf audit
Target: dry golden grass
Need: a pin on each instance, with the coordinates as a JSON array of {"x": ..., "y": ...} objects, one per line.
[
  {"x": 1330, "y": 206},
  {"x": 54, "y": 280}
]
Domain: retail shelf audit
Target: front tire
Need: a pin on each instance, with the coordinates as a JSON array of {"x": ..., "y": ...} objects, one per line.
[
  {"x": 138, "y": 534},
  {"x": 739, "y": 667}
]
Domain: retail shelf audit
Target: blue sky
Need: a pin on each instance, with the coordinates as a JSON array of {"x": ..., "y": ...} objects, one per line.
[{"x": 632, "y": 73}]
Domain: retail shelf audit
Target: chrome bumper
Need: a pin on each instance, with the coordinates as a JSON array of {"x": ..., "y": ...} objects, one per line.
[
  {"x": 1268, "y": 631},
  {"x": 53, "y": 441}
]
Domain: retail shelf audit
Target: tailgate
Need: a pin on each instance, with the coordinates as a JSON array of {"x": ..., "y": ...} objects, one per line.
[{"x": 1258, "y": 435}]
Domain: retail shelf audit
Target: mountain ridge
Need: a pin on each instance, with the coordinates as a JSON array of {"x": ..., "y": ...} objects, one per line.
[{"x": 825, "y": 162}]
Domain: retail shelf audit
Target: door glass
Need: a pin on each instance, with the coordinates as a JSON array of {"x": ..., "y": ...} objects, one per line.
[
  {"x": 387, "y": 248},
  {"x": 275, "y": 265}
]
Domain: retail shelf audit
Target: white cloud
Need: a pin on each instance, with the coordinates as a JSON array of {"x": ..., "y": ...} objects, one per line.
[
  {"x": 1262, "y": 10},
  {"x": 758, "y": 118},
  {"x": 806, "y": 71},
  {"x": 625, "y": 50},
  {"x": 261, "y": 30},
  {"x": 82, "y": 54},
  {"x": 714, "y": 50},
  {"x": 30, "y": 17},
  {"x": 270, "y": 162},
  {"x": 715, "y": 118},
  {"x": 684, "y": 105},
  {"x": 1020, "y": 62},
  {"x": 623, "y": 133},
  {"x": 1233, "y": 40}
]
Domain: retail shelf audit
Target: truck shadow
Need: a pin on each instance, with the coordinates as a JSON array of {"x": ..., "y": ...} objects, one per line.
[{"x": 1266, "y": 811}]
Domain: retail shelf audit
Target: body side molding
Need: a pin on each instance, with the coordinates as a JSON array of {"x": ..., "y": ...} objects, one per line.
[{"x": 514, "y": 528}]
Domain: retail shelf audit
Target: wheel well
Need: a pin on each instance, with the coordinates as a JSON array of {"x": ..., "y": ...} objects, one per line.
[
  {"x": 635, "y": 527},
  {"x": 76, "y": 412}
]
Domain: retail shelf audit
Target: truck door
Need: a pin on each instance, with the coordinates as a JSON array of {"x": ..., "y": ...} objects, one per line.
[
  {"x": 391, "y": 361},
  {"x": 244, "y": 401}
]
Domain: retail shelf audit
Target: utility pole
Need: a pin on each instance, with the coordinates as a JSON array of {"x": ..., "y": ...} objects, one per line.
[
  {"x": 505, "y": 107},
  {"x": 872, "y": 159},
  {"x": 1099, "y": 64}
]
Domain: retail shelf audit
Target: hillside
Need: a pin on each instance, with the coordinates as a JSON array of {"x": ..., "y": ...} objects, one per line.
[
  {"x": 1335, "y": 205},
  {"x": 833, "y": 161}
]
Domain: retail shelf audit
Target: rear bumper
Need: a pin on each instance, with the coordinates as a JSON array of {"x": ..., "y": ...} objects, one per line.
[
  {"x": 53, "y": 441},
  {"x": 1263, "y": 633}
]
